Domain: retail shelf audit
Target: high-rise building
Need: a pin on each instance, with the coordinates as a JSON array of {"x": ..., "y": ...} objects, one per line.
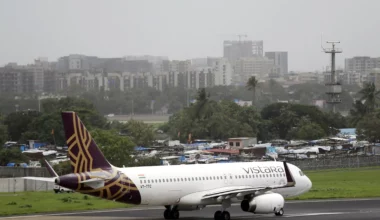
[
  {"x": 280, "y": 60},
  {"x": 258, "y": 48},
  {"x": 223, "y": 72},
  {"x": 233, "y": 50},
  {"x": 252, "y": 66},
  {"x": 362, "y": 65},
  {"x": 179, "y": 65}
]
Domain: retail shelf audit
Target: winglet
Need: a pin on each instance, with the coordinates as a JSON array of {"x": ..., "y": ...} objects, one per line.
[
  {"x": 50, "y": 169},
  {"x": 289, "y": 176}
]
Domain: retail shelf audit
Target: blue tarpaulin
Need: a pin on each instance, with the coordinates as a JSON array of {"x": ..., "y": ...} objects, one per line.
[{"x": 139, "y": 148}]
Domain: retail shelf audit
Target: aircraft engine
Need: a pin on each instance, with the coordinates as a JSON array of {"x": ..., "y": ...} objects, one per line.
[{"x": 266, "y": 203}]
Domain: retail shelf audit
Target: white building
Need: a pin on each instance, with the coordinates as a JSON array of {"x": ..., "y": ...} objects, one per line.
[{"x": 223, "y": 72}]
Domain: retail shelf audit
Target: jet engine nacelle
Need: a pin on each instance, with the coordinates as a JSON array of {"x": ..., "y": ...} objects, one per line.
[{"x": 266, "y": 203}]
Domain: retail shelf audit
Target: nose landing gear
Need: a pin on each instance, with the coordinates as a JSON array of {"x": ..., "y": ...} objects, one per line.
[
  {"x": 279, "y": 212},
  {"x": 171, "y": 213}
]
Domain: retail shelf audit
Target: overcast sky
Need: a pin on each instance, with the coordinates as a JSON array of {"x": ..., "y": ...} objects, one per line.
[{"x": 187, "y": 29}]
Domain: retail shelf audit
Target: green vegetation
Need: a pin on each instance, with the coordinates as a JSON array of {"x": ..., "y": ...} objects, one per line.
[
  {"x": 38, "y": 202},
  {"x": 344, "y": 183}
]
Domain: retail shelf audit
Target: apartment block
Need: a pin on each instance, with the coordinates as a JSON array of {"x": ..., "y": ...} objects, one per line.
[{"x": 361, "y": 64}]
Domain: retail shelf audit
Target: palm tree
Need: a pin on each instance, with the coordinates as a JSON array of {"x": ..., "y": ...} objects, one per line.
[
  {"x": 357, "y": 112},
  {"x": 370, "y": 95},
  {"x": 251, "y": 85}
]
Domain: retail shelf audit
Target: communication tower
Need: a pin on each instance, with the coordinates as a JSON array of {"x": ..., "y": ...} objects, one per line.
[{"x": 333, "y": 87}]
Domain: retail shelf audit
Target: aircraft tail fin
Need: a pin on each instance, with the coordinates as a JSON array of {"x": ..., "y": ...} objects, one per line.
[
  {"x": 85, "y": 155},
  {"x": 289, "y": 176}
]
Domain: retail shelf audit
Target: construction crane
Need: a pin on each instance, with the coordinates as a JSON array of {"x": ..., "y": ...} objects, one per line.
[{"x": 241, "y": 35}]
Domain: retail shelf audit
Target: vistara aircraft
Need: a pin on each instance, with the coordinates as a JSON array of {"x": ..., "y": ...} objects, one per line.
[{"x": 259, "y": 187}]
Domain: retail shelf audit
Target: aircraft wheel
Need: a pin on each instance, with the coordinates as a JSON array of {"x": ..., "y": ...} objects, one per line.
[
  {"x": 218, "y": 215},
  {"x": 280, "y": 213},
  {"x": 226, "y": 216},
  {"x": 174, "y": 214},
  {"x": 167, "y": 214}
]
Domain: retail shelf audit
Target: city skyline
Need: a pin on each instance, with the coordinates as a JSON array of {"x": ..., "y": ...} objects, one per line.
[{"x": 186, "y": 30}]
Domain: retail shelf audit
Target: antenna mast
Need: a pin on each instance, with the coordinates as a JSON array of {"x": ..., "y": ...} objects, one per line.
[{"x": 334, "y": 88}]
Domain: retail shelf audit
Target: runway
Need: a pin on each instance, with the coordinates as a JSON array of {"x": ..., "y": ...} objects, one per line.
[{"x": 312, "y": 210}]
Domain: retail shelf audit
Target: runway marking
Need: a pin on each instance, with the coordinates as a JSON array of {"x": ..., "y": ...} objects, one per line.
[{"x": 314, "y": 214}]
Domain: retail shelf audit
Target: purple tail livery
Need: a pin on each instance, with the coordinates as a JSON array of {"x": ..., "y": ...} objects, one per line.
[{"x": 92, "y": 173}]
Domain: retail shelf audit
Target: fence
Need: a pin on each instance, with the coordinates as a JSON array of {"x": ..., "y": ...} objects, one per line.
[
  {"x": 23, "y": 171},
  {"x": 337, "y": 162},
  {"x": 20, "y": 185}
]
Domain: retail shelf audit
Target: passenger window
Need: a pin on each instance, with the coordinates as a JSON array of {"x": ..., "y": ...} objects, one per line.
[
  {"x": 159, "y": 180},
  {"x": 192, "y": 178},
  {"x": 196, "y": 178},
  {"x": 206, "y": 177},
  {"x": 171, "y": 180},
  {"x": 140, "y": 181},
  {"x": 144, "y": 181},
  {"x": 181, "y": 179},
  {"x": 148, "y": 181}
]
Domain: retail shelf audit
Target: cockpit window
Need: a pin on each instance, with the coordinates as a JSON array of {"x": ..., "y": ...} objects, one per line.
[{"x": 301, "y": 174}]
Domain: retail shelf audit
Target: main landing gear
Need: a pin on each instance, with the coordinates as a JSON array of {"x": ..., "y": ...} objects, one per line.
[
  {"x": 171, "y": 213},
  {"x": 219, "y": 215},
  {"x": 279, "y": 212},
  {"x": 223, "y": 214}
]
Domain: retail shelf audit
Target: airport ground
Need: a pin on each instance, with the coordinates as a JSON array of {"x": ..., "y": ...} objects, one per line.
[{"x": 347, "y": 209}]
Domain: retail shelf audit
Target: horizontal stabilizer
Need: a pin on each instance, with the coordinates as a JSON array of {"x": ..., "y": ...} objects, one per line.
[
  {"x": 94, "y": 183},
  {"x": 44, "y": 179}
]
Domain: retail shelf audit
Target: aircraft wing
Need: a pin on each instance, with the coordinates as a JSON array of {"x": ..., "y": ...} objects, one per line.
[
  {"x": 44, "y": 179},
  {"x": 238, "y": 191},
  {"x": 230, "y": 192}
]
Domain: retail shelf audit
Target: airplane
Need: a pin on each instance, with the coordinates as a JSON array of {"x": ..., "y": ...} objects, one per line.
[{"x": 259, "y": 187}]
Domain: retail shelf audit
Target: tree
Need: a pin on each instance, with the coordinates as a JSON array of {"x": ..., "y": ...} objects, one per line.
[
  {"x": 141, "y": 134},
  {"x": 116, "y": 148},
  {"x": 357, "y": 112},
  {"x": 368, "y": 127},
  {"x": 306, "y": 130},
  {"x": 18, "y": 122},
  {"x": 251, "y": 85},
  {"x": 8, "y": 155},
  {"x": 285, "y": 116},
  {"x": 370, "y": 96}
]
